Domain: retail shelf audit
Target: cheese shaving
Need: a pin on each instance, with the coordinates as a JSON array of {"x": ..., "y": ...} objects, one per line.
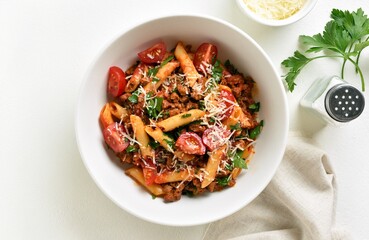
[{"x": 274, "y": 9}]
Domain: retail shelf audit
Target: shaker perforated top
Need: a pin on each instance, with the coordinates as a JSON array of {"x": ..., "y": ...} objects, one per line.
[{"x": 344, "y": 102}]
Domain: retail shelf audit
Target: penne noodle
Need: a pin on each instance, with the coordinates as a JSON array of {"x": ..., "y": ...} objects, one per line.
[
  {"x": 158, "y": 135},
  {"x": 161, "y": 75},
  {"x": 212, "y": 166},
  {"x": 105, "y": 116},
  {"x": 165, "y": 71},
  {"x": 137, "y": 174},
  {"x": 117, "y": 110},
  {"x": 180, "y": 120},
  {"x": 136, "y": 77},
  {"x": 141, "y": 136},
  {"x": 186, "y": 64},
  {"x": 184, "y": 157},
  {"x": 174, "y": 176},
  {"x": 237, "y": 116}
]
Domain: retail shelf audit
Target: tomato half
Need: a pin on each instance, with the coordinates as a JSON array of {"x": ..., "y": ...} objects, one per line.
[
  {"x": 229, "y": 100},
  {"x": 116, "y": 81},
  {"x": 153, "y": 54},
  {"x": 149, "y": 171},
  {"x": 113, "y": 136},
  {"x": 190, "y": 143},
  {"x": 205, "y": 54},
  {"x": 212, "y": 137}
]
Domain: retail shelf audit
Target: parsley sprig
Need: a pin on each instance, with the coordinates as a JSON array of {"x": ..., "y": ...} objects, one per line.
[{"x": 345, "y": 36}]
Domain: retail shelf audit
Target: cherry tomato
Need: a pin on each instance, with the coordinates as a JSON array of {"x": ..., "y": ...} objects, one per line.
[
  {"x": 212, "y": 137},
  {"x": 228, "y": 100},
  {"x": 205, "y": 54},
  {"x": 116, "y": 82},
  {"x": 190, "y": 143},
  {"x": 153, "y": 54},
  {"x": 113, "y": 136},
  {"x": 149, "y": 171}
]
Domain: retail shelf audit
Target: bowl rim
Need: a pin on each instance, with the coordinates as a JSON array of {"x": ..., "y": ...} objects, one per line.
[
  {"x": 84, "y": 82},
  {"x": 307, "y": 8}
]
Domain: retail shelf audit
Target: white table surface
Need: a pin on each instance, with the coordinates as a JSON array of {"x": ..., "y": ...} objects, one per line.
[{"x": 45, "y": 50}]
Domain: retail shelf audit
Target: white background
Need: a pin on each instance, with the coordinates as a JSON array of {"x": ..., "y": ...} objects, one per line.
[{"x": 45, "y": 50}]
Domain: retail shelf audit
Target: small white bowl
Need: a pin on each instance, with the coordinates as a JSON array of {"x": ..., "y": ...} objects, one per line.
[
  {"x": 306, "y": 8},
  {"x": 232, "y": 44}
]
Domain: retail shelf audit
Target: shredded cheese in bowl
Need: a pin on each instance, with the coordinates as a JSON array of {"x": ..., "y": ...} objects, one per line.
[{"x": 275, "y": 9}]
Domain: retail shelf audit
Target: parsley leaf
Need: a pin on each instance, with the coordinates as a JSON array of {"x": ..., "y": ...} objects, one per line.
[
  {"x": 223, "y": 181},
  {"x": 345, "y": 36},
  {"x": 186, "y": 115},
  {"x": 154, "y": 144},
  {"x": 236, "y": 127},
  {"x": 230, "y": 67},
  {"x": 216, "y": 76},
  {"x": 254, "y": 133},
  {"x": 168, "y": 59},
  {"x": 154, "y": 106},
  {"x": 134, "y": 97},
  {"x": 238, "y": 161},
  {"x": 131, "y": 149},
  {"x": 255, "y": 107}
]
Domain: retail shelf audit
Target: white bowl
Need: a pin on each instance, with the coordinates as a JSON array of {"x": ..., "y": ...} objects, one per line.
[
  {"x": 232, "y": 44},
  {"x": 307, "y": 7}
]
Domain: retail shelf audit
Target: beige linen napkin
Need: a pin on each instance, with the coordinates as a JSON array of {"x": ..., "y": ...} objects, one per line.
[{"x": 299, "y": 202}]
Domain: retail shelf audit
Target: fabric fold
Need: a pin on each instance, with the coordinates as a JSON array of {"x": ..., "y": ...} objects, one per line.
[{"x": 299, "y": 202}]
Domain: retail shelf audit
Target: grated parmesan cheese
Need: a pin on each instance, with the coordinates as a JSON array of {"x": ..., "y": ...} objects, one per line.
[{"x": 274, "y": 9}]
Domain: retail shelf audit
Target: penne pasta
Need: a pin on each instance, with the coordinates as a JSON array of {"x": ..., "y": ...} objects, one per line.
[
  {"x": 237, "y": 116},
  {"x": 137, "y": 174},
  {"x": 117, "y": 110},
  {"x": 105, "y": 116},
  {"x": 180, "y": 119},
  {"x": 161, "y": 75},
  {"x": 186, "y": 64},
  {"x": 158, "y": 135},
  {"x": 212, "y": 166},
  {"x": 139, "y": 72},
  {"x": 184, "y": 157},
  {"x": 141, "y": 136},
  {"x": 174, "y": 176}
]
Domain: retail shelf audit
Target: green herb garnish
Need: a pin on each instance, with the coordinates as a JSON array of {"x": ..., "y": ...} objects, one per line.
[
  {"x": 345, "y": 36},
  {"x": 254, "y": 133},
  {"x": 153, "y": 71},
  {"x": 238, "y": 161},
  {"x": 230, "y": 67},
  {"x": 223, "y": 181},
  {"x": 134, "y": 97},
  {"x": 131, "y": 149},
  {"x": 186, "y": 115},
  {"x": 216, "y": 75},
  {"x": 236, "y": 127},
  {"x": 170, "y": 142},
  {"x": 154, "y": 144},
  {"x": 255, "y": 107},
  {"x": 168, "y": 59},
  {"x": 153, "y": 107}
]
